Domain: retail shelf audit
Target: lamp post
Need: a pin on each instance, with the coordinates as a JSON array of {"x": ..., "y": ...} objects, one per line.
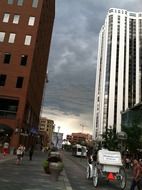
[{"x": 82, "y": 125}]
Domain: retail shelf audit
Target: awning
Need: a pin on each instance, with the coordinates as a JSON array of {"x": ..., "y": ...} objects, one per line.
[{"x": 5, "y": 129}]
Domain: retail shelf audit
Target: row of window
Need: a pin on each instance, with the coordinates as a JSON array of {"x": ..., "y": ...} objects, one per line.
[
  {"x": 118, "y": 11},
  {"x": 7, "y": 59},
  {"x": 12, "y": 37},
  {"x": 125, "y": 12},
  {"x": 16, "y": 19},
  {"x": 21, "y": 3},
  {"x": 19, "y": 81}
]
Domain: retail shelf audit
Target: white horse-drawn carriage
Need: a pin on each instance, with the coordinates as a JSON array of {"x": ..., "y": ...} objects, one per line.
[{"x": 107, "y": 165}]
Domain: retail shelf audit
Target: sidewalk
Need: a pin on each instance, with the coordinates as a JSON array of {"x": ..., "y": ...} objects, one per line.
[
  {"x": 63, "y": 182},
  {"x": 7, "y": 157}
]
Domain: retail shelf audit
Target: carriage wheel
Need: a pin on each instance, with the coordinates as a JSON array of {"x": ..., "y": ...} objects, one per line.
[
  {"x": 95, "y": 177},
  {"x": 88, "y": 172},
  {"x": 122, "y": 179}
]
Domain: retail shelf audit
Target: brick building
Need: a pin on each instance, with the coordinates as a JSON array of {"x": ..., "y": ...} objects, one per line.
[
  {"x": 79, "y": 137},
  {"x": 25, "y": 36}
]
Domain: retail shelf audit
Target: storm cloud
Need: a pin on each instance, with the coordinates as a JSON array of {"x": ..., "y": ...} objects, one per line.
[{"x": 73, "y": 58}]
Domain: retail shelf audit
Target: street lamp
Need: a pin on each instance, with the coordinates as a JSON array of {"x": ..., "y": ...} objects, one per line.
[{"x": 82, "y": 125}]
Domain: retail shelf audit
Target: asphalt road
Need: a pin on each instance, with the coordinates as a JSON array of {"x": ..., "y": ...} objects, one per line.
[{"x": 75, "y": 168}]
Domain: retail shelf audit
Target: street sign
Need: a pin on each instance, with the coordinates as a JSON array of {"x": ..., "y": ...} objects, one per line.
[{"x": 122, "y": 135}]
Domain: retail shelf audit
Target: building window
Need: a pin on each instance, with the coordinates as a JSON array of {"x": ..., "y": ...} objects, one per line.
[
  {"x": 10, "y": 2},
  {"x": 24, "y": 59},
  {"x": 27, "y": 40},
  {"x": 19, "y": 2},
  {"x": 7, "y": 57},
  {"x": 31, "y": 21},
  {"x": 19, "y": 82},
  {"x": 2, "y": 35},
  {"x": 11, "y": 38},
  {"x": 16, "y": 19},
  {"x": 2, "y": 79},
  {"x": 6, "y": 17},
  {"x": 35, "y": 3},
  {"x": 8, "y": 108}
]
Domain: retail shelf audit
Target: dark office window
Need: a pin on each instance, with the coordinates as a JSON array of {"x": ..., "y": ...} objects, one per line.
[
  {"x": 8, "y": 108},
  {"x": 7, "y": 57},
  {"x": 19, "y": 82},
  {"x": 24, "y": 59},
  {"x": 2, "y": 80}
]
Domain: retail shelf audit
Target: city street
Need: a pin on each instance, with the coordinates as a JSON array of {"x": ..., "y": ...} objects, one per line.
[
  {"x": 29, "y": 175},
  {"x": 76, "y": 171}
]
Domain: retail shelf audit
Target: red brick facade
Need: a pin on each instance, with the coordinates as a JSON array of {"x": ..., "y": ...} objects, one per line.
[{"x": 23, "y": 63}]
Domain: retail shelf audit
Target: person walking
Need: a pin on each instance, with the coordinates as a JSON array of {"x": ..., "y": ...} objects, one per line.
[
  {"x": 137, "y": 174},
  {"x": 5, "y": 148},
  {"x": 19, "y": 153},
  {"x": 31, "y": 151}
]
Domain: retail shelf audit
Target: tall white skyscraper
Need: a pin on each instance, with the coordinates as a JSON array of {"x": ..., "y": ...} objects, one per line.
[{"x": 119, "y": 69}]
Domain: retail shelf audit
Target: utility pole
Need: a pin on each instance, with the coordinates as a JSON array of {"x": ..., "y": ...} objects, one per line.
[{"x": 82, "y": 125}]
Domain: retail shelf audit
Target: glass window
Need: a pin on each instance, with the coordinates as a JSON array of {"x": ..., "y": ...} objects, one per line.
[
  {"x": 20, "y": 2},
  {"x": 7, "y": 57},
  {"x": 31, "y": 21},
  {"x": 2, "y": 35},
  {"x": 8, "y": 107},
  {"x": 35, "y": 3},
  {"x": 16, "y": 19},
  {"x": 6, "y": 17},
  {"x": 19, "y": 82},
  {"x": 27, "y": 40},
  {"x": 10, "y": 2},
  {"x": 24, "y": 60},
  {"x": 11, "y": 38},
  {"x": 2, "y": 79}
]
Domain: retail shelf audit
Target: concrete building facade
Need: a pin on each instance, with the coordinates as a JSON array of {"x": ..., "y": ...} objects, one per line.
[
  {"x": 119, "y": 69},
  {"x": 46, "y": 128},
  {"x": 25, "y": 36}
]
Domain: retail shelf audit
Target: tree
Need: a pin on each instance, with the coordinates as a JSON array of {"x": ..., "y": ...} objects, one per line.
[
  {"x": 110, "y": 140},
  {"x": 134, "y": 138}
]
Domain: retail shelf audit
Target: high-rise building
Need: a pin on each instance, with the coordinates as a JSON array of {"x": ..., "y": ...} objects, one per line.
[
  {"x": 119, "y": 69},
  {"x": 46, "y": 128},
  {"x": 25, "y": 36}
]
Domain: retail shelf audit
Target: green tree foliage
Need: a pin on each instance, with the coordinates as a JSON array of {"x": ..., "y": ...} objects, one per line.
[
  {"x": 110, "y": 140},
  {"x": 134, "y": 138}
]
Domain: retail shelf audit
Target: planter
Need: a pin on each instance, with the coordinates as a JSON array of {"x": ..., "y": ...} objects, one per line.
[
  {"x": 55, "y": 169},
  {"x": 46, "y": 167}
]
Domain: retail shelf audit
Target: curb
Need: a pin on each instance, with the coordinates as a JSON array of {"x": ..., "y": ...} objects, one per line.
[{"x": 66, "y": 182}]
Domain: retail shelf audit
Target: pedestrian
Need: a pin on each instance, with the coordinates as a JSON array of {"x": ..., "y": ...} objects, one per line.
[
  {"x": 23, "y": 150},
  {"x": 137, "y": 174},
  {"x": 31, "y": 151},
  {"x": 140, "y": 162},
  {"x": 5, "y": 148},
  {"x": 127, "y": 163},
  {"x": 19, "y": 153}
]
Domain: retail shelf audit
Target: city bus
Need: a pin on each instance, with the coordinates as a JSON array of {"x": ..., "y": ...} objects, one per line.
[{"x": 79, "y": 150}]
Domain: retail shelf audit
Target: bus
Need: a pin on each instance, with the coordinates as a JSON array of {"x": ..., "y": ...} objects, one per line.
[{"x": 79, "y": 150}]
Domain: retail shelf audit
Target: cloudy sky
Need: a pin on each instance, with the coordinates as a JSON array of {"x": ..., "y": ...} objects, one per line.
[{"x": 69, "y": 95}]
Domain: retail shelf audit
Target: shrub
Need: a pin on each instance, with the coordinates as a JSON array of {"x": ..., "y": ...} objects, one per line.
[{"x": 45, "y": 163}]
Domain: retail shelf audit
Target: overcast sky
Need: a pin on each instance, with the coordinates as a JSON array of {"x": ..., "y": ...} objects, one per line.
[{"x": 69, "y": 95}]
